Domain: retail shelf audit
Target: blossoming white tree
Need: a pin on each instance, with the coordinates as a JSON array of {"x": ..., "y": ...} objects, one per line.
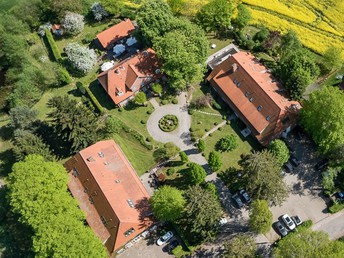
[
  {"x": 80, "y": 57},
  {"x": 73, "y": 23}
]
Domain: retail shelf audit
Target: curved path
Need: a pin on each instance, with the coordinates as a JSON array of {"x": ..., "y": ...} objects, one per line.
[{"x": 180, "y": 136}]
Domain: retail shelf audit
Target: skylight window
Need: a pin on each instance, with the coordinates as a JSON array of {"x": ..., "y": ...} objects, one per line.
[
  {"x": 268, "y": 118},
  {"x": 239, "y": 84},
  {"x": 251, "y": 99},
  {"x": 247, "y": 94},
  {"x": 259, "y": 108},
  {"x": 130, "y": 202}
]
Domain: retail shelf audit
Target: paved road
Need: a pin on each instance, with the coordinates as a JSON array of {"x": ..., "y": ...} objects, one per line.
[{"x": 333, "y": 225}]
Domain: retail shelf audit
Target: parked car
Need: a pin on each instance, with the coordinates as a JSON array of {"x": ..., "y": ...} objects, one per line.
[
  {"x": 340, "y": 196},
  {"x": 288, "y": 167},
  {"x": 162, "y": 240},
  {"x": 281, "y": 229},
  {"x": 237, "y": 200},
  {"x": 296, "y": 220},
  {"x": 322, "y": 164},
  {"x": 172, "y": 245},
  {"x": 289, "y": 223},
  {"x": 294, "y": 161},
  {"x": 244, "y": 196}
]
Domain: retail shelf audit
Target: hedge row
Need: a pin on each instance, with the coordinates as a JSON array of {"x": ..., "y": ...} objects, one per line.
[
  {"x": 54, "y": 49},
  {"x": 93, "y": 99}
]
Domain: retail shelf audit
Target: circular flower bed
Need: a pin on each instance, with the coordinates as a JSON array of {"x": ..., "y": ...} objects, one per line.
[{"x": 168, "y": 123}]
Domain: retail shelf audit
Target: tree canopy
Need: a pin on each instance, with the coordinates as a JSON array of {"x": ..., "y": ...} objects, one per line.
[
  {"x": 168, "y": 203},
  {"x": 260, "y": 217},
  {"x": 195, "y": 173},
  {"x": 201, "y": 215},
  {"x": 332, "y": 58},
  {"x": 263, "y": 174},
  {"x": 280, "y": 150},
  {"x": 243, "y": 17},
  {"x": 140, "y": 98},
  {"x": 240, "y": 246},
  {"x": 214, "y": 160},
  {"x": 38, "y": 192},
  {"x": 22, "y": 117},
  {"x": 227, "y": 143},
  {"x": 215, "y": 16},
  {"x": 322, "y": 117},
  {"x": 81, "y": 57}
]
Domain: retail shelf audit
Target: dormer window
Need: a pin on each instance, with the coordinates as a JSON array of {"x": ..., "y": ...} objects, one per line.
[
  {"x": 239, "y": 84},
  {"x": 268, "y": 118},
  {"x": 251, "y": 99},
  {"x": 235, "y": 81},
  {"x": 119, "y": 93},
  {"x": 259, "y": 108},
  {"x": 247, "y": 94}
]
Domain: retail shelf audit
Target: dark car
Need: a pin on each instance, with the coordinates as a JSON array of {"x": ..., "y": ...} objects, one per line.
[
  {"x": 237, "y": 200},
  {"x": 244, "y": 196},
  {"x": 294, "y": 161},
  {"x": 172, "y": 245},
  {"x": 322, "y": 164},
  {"x": 340, "y": 196},
  {"x": 281, "y": 229}
]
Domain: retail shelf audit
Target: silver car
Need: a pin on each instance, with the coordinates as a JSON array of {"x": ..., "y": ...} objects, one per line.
[{"x": 287, "y": 220}]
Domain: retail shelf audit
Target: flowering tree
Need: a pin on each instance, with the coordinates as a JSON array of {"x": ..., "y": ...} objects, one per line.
[
  {"x": 73, "y": 23},
  {"x": 98, "y": 11},
  {"x": 43, "y": 27},
  {"x": 80, "y": 57}
]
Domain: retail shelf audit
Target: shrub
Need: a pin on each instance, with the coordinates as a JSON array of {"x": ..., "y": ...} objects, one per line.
[
  {"x": 149, "y": 139},
  {"x": 224, "y": 117},
  {"x": 216, "y": 123},
  {"x": 157, "y": 88},
  {"x": 191, "y": 111},
  {"x": 227, "y": 143},
  {"x": 174, "y": 101},
  {"x": 228, "y": 122},
  {"x": 201, "y": 102},
  {"x": 306, "y": 224},
  {"x": 63, "y": 76},
  {"x": 121, "y": 109},
  {"x": 203, "y": 154},
  {"x": 81, "y": 87},
  {"x": 210, "y": 135},
  {"x": 94, "y": 100},
  {"x": 164, "y": 102},
  {"x": 143, "y": 122},
  {"x": 168, "y": 123},
  {"x": 220, "y": 128},
  {"x": 53, "y": 47},
  {"x": 88, "y": 39},
  {"x": 216, "y": 105},
  {"x": 201, "y": 145},
  {"x": 149, "y": 111},
  {"x": 170, "y": 171},
  {"x": 98, "y": 11}
]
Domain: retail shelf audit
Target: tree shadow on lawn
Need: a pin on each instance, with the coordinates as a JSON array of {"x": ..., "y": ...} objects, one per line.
[
  {"x": 101, "y": 95},
  {"x": 180, "y": 182},
  {"x": 6, "y": 132},
  {"x": 7, "y": 159}
]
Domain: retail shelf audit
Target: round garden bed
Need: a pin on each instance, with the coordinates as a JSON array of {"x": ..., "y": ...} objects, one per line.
[{"x": 168, "y": 123}]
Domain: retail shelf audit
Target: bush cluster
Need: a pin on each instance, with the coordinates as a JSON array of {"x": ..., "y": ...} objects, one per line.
[{"x": 168, "y": 123}]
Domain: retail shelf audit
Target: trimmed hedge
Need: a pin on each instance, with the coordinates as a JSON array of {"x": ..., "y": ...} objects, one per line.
[
  {"x": 53, "y": 47},
  {"x": 64, "y": 77},
  {"x": 94, "y": 100},
  {"x": 168, "y": 123}
]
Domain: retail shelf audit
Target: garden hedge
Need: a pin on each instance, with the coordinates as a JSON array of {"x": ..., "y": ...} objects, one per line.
[
  {"x": 54, "y": 49},
  {"x": 94, "y": 100}
]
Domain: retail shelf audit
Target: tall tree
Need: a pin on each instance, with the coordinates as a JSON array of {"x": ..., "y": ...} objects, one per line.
[
  {"x": 195, "y": 173},
  {"x": 176, "y": 5},
  {"x": 308, "y": 243},
  {"x": 112, "y": 7},
  {"x": 22, "y": 117},
  {"x": 73, "y": 122},
  {"x": 332, "y": 58},
  {"x": 73, "y": 23},
  {"x": 260, "y": 217},
  {"x": 80, "y": 57},
  {"x": 38, "y": 192},
  {"x": 263, "y": 175},
  {"x": 244, "y": 16},
  {"x": 322, "y": 117},
  {"x": 215, "y": 16},
  {"x": 154, "y": 19},
  {"x": 214, "y": 160},
  {"x": 280, "y": 150},
  {"x": 140, "y": 98},
  {"x": 289, "y": 43},
  {"x": 202, "y": 214},
  {"x": 168, "y": 203},
  {"x": 227, "y": 143},
  {"x": 168, "y": 151},
  {"x": 240, "y": 246}
]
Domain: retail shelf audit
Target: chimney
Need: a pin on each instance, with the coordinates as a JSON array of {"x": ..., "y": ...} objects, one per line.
[{"x": 234, "y": 67}]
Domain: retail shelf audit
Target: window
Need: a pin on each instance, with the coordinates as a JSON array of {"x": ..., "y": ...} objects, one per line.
[
  {"x": 91, "y": 199},
  {"x": 101, "y": 154},
  {"x": 247, "y": 94},
  {"x": 85, "y": 190},
  {"x": 259, "y": 108},
  {"x": 75, "y": 172},
  {"x": 129, "y": 232},
  {"x": 103, "y": 219},
  {"x": 239, "y": 84},
  {"x": 268, "y": 118},
  {"x": 130, "y": 203},
  {"x": 251, "y": 99},
  {"x": 235, "y": 81}
]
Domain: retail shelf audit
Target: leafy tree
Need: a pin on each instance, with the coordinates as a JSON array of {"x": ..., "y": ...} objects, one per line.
[
  {"x": 22, "y": 117},
  {"x": 157, "y": 88},
  {"x": 195, "y": 173},
  {"x": 322, "y": 117},
  {"x": 176, "y": 5},
  {"x": 183, "y": 157},
  {"x": 112, "y": 7},
  {"x": 214, "y": 160},
  {"x": 168, "y": 203},
  {"x": 240, "y": 246},
  {"x": 154, "y": 19},
  {"x": 26, "y": 143},
  {"x": 201, "y": 214},
  {"x": 328, "y": 178},
  {"x": 112, "y": 125},
  {"x": 244, "y": 16},
  {"x": 201, "y": 145},
  {"x": 73, "y": 23},
  {"x": 38, "y": 193},
  {"x": 261, "y": 35},
  {"x": 289, "y": 43},
  {"x": 260, "y": 217},
  {"x": 168, "y": 151},
  {"x": 308, "y": 243},
  {"x": 272, "y": 42},
  {"x": 140, "y": 98},
  {"x": 337, "y": 156},
  {"x": 73, "y": 122},
  {"x": 80, "y": 57},
  {"x": 227, "y": 143},
  {"x": 55, "y": 10},
  {"x": 263, "y": 175},
  {"x": 332, "y": 58},
  {"x": 180, "y": 62},
  {"x": 211, "y": 187},
  {"x": 215, "y": 16},
  {"x": 297, "y": 69},
  {"x": 280, "y": 150},
  {"x": 98, "y": 11},
  {"x": 202, "y": 101}
]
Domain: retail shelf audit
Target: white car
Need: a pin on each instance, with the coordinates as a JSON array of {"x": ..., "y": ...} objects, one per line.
[
  {"x": 288, "y": 221},
  {"x": 162, "y": 240}
]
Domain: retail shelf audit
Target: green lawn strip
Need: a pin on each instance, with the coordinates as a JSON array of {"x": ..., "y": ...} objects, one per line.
[
  {"x": 203, "y": 122},
  {"x": 219, "y": 42},
  {"x": 140, "y": 158},
  {"x": 229, "y": 159},
  {"x": 332, "y": 80}
]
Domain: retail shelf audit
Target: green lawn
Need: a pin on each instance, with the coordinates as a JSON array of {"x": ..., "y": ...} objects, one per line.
[
  {"x": 140, "y": 158},
  {"x": 332, "y": 80},
  {"x": 219, "y": 42}
]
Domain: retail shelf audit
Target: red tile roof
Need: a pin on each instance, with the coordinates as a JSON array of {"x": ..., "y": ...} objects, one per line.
[
  {"x": 117, "y": 191},
  {"x": 115, "y": 33},
  {"x": 130, "y": 75},
  {"x": 253, "y": 94}
]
